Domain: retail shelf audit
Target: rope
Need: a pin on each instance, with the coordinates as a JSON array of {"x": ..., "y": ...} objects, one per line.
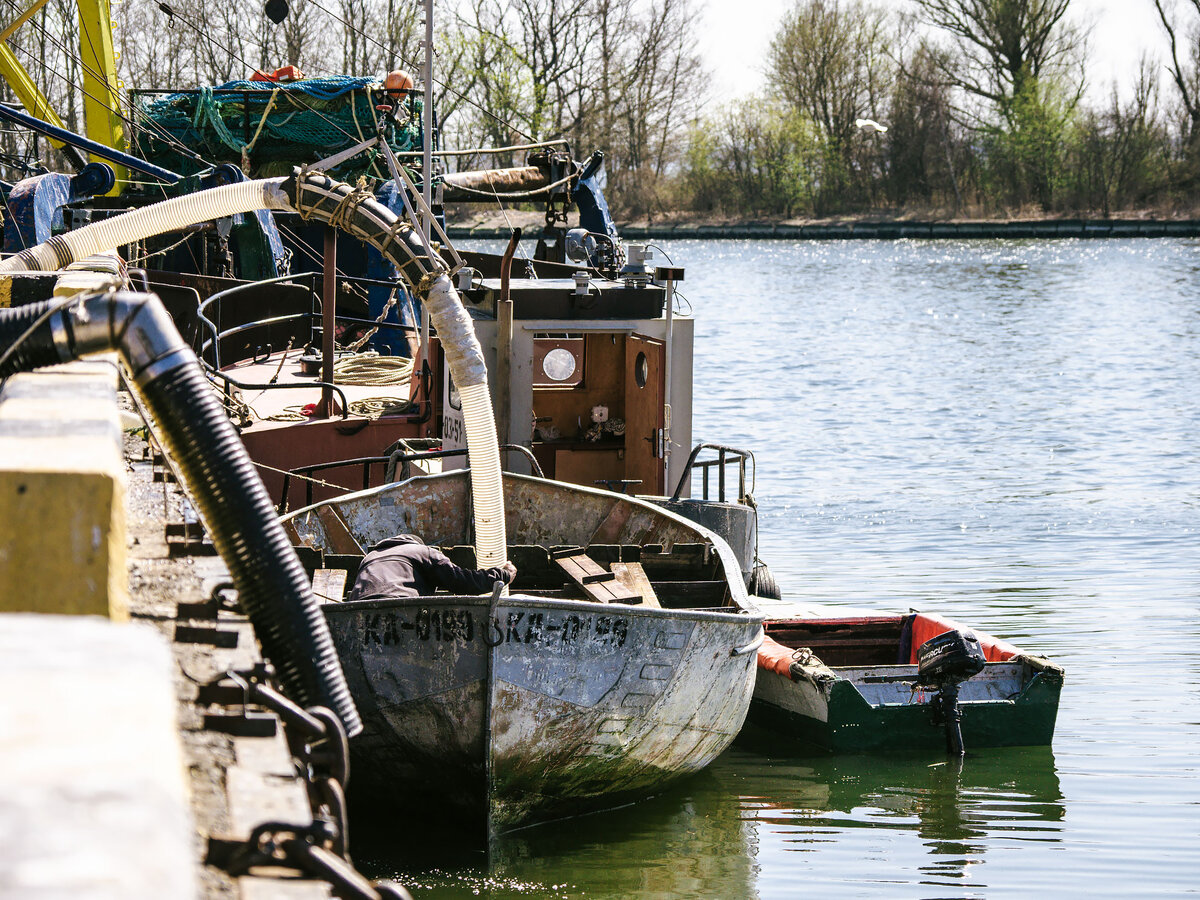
[
  {"x": 290, "y": 414},
  {"x": 247, "y": 148},
  {"x": 348, "y": 206},
  {"x": 373, "y": 370},
  {"x": 391, "y": 303},
  {"x": 148, "y": 256},
  {"x": 374, "y": 407}
]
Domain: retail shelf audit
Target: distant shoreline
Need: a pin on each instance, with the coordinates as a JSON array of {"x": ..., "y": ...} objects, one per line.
[{"x": 866, "y": 229}]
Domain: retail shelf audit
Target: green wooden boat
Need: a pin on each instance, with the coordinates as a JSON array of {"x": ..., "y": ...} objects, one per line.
[{"x": 849, "y": 684}]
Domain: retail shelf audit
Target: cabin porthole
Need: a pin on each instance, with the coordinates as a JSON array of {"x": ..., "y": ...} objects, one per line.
[
  {"x": 558, "y": 364},
  {"x": 641, "y": 370}
]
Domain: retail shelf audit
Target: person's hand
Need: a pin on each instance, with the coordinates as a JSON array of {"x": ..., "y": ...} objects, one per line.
[{"x": 510, "y": 571}]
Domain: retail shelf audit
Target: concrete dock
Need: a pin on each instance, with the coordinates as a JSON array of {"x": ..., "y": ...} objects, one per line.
[{"x": 131, "y": 766}]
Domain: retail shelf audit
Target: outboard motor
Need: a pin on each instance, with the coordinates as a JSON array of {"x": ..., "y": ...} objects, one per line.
[{"x": 943, "y": 663}]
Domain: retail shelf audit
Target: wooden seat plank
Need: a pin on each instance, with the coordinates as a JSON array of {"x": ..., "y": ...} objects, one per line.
[
  {"x": 633, "y": 576},
  {"x": 593, "y": 580},
  {"x": 329, "y": 585}
]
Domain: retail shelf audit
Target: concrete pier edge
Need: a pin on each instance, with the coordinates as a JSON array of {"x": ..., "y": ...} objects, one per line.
[{"x": 889, "y": 230}]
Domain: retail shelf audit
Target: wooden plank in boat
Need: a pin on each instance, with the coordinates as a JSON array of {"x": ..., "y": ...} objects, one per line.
[
  {"x": 633, "y": 576},
  {"x": 598, "y": 584},
  {"x": 340, "y": 540},
  {"x": 329, "y": 585},
  {"x": 289, "y": 528}
]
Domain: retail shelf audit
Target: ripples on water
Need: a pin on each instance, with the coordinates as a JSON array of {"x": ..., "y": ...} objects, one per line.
[{"x": 1003, "y": 431}]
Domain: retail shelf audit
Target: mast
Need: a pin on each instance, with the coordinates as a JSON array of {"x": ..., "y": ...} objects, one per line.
[
  {"x": 427, "y": 160},
  {"x": 427, "y": 122}
]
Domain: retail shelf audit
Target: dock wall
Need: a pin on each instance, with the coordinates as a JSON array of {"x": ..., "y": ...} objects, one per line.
[{"x": 118, "y": 776}]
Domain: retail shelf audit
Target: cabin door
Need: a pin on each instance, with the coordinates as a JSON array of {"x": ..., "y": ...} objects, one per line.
[{"x": 644, "y": 415}]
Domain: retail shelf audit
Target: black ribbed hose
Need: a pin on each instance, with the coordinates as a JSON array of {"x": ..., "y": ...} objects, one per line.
[
  {"x": 35, "y": 351},
  {"x": 272, "y": 586},
  {"x": 271, "y": 583}
]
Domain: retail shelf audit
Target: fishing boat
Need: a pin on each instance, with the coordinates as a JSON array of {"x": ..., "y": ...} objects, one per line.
[
  {"x": 510, "y": 710},
  {"x": 621, "y": 660},
  {"x": 831, "y": 682}
]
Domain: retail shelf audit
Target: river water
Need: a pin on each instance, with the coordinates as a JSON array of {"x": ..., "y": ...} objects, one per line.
[{"x": 1005, "y": 432}]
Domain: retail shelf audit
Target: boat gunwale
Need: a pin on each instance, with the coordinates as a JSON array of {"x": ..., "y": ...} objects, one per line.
[
  {"x": 739, "y": 597},
  {"x": 735, "y": 615}
]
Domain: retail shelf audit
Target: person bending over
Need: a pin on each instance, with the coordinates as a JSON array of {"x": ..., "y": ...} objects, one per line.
[{"x": 402, "y": 566}]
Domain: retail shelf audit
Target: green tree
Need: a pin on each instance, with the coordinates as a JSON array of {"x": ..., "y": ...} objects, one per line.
[
  {"x": 1018, "y": 65},
  {"x": 829, "y": 61}
]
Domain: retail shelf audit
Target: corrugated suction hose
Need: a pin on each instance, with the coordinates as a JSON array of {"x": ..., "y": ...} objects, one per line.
[
  {"x": 272, "y": 586},
  {"x": 355, "y": 211}
]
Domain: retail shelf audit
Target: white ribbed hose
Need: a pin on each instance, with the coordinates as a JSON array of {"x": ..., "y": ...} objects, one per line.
[
  {"x": 463, "y": 352},
  {"x": 465, "y": 358},
  {"x": 169, "y": 215}
]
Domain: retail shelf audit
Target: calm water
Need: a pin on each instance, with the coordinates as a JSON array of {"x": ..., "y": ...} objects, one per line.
[{"x": 1005, "y": 432}]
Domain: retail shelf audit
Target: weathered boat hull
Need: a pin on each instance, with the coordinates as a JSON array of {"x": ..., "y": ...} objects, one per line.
[
  {"x": 532, "y": 710},
  {"x": 810, "y": 707},
  {"x": 520, "y": 709}
]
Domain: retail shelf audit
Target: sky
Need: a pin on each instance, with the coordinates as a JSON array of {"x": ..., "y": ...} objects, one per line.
[{"x": 736, "y": 34}]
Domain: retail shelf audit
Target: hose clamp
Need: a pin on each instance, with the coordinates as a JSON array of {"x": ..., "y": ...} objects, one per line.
[{"x": 161, "y": 366}]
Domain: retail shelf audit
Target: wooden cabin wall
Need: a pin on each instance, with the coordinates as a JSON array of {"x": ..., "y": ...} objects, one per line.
[{"x": 570, "y": 409}]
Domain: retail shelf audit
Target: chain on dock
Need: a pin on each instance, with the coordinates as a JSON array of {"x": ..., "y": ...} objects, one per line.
[{"x": 319, "y": 746}]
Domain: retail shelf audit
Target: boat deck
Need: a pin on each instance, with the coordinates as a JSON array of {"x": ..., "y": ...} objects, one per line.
[{"x": 281, "y": 403}]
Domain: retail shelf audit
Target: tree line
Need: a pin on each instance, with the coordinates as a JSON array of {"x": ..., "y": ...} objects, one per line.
[
  {"x": 985, "y": 106},
  {"x": 985, "y": 102}
]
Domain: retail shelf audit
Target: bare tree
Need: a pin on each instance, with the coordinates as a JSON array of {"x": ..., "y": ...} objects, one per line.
[
  {"x": 1183, "y": 35},
  {"x": 829, "y": 61},
  {"x": 1006, "y": 48}
]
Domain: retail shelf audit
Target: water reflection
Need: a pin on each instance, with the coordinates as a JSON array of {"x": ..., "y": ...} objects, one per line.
[
  {"x": 713, "y": 835},
  {"x": 958, "y": 811},
  {"x": 688, "y": 842}
]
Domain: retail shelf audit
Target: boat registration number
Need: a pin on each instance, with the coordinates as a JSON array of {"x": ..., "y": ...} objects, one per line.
[{"x": 511, "y": 627}]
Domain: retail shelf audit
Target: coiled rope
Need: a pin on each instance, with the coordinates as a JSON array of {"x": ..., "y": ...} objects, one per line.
[{"x": 371, "y": 369}]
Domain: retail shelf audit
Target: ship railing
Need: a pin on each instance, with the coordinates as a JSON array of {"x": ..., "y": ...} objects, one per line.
[
  {"x": 210, "y": 347},
  {"x": 725, "y": 456},
  {"x": 302, "y": 324}
]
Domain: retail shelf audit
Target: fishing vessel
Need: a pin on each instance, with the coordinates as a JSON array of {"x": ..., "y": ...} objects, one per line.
[{"x": 621, "y": 659}]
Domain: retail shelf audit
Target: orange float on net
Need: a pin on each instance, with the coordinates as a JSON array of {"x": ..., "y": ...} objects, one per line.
[{"x": 398, "y": 83}]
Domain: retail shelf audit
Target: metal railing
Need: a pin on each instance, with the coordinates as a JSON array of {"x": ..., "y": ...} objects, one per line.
[
  {"x": 211, "y": 346},
  {"x": 725, "y": 456}
]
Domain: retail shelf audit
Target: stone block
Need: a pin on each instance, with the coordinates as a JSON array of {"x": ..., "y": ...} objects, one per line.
[
  {"x": 94, "y": 798},
  {"x": 62, "y": 520}
]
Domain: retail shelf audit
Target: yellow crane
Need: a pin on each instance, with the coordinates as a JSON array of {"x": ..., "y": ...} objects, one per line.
[{"x": 101, "y": 87}]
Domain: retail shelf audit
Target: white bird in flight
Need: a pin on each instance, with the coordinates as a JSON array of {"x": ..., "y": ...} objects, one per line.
[{"x": 870, "y": 123}]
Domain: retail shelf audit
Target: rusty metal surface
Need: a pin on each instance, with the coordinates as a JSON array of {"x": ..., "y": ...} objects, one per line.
[
  {"x": 587, "y": 704},
  {"x": 636, "y": 699}
]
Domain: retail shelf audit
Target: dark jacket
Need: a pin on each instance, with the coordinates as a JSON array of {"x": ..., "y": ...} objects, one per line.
[{"x": 402, "y": 566}]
